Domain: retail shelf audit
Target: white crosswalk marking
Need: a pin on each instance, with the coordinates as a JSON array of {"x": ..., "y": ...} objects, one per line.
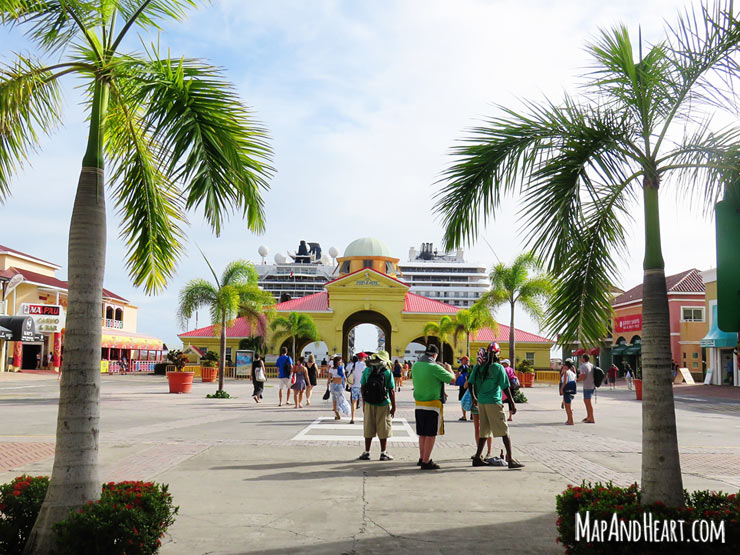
[{"x": 315, "y": 431}]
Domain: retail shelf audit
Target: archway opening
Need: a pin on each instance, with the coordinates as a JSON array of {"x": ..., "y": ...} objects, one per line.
[
  {"x": 413, "y": 351},
  {"x": 319, "y": 350},
  {"x": 370, "y": 319}
]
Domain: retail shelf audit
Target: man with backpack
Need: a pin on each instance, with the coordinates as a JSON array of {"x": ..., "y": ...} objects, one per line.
[
  {"x": 586, "y": 375},
  {"x": 285, "y": 369},
  {"x": 379, "y": 396}
]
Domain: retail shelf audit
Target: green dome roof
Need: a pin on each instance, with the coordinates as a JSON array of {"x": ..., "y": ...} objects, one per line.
[{"x": 367, "y": 246}]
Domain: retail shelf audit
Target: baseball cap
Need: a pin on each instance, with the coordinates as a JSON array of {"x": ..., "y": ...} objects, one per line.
[
  {"x": 361, "y": 355},
  {"x": 431, "y": 350}
]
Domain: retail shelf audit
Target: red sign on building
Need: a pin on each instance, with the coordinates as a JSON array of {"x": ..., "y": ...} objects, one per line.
[
  {"x": 628, "y": 323},
  {"x": 44, "y": 310}
]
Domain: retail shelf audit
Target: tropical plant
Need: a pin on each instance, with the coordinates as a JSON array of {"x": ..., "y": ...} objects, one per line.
[
  {"x": 513, "y": 285},
  {"x": 296, "y": 326},
  {"x": 210, "y": 359},
  {"x": 442, "y": 330},
  {"x": 176, "y": 136},
  {"x": 178, "y": 359},
  {"x": 470, "y": 320},
  {"x": 255, "y": 343},
  {"x": 234, "y": 294},
  {"x": 580, "y": 166}
]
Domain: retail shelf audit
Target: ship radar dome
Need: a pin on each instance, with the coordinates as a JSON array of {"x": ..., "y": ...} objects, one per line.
[{"x": 263, "y": 251}]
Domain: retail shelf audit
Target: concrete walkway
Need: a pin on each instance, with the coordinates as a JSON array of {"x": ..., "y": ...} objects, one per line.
[{"x": 265, "y": 479}]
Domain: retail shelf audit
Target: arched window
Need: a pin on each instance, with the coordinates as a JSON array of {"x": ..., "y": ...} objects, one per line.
[
  {"x": 119, "y": 314},
  {"x": 109, "y": 313}
]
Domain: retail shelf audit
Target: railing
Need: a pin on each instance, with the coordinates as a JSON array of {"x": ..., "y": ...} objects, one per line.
[
  {"x": 108, "y": 323},
  {"x": 143, "y": 366},
  {"x": 551, "y": 377}
]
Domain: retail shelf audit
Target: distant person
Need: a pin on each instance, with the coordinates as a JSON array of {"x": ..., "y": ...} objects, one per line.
[
  {"x": 489, "y": 381},
  {"x": 398, "y": 374},
  {"x": 586, "y": 375},
  {"x": 429, "y": 379},
  {"x": 313, "y": 376},
  {"x": 38, "y": 360},
  {"x": 513, "y": 380},
  {"x": 568, "y": 389},
  {"x": 49, "y": 358},
  {"x": 258, "y": 371},
  {"x": 336, "y": 387},
  {"x": 300, "y": 373},
  {"x": 355, "y": 395},
  {"x": 612, "y": 374},
  {"x": 378, "y": 394},
  {"x": 285, "y": 369},
  {"x": 462, "y": 377},
  {"x": 629, "y": 376}
]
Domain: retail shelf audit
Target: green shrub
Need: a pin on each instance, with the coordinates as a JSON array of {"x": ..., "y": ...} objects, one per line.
[
  {"x": 220, "y": 394},
  {"x": 519, "y": 397},
  {"x": 20, "y": 502},
  {"x": 603, "y": 501}
]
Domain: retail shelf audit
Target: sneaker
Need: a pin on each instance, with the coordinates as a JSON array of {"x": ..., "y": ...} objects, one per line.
[
  {"x": 431, "y": 465},
  {"x": 351, "y": 421},
  {"x": 364, "y": 457},
  {"x": 385, "y": 457},
  {"x": 419, "y": 463},
  {"x": 462, "y": 419},
  {"x": 478, "y": 461}
]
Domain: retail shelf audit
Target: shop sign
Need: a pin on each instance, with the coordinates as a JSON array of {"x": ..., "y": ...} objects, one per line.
[
  {"x": 628, "y": 323},
  {"x": 367, "y": 281},
  {"x": 49, "y": 318}
]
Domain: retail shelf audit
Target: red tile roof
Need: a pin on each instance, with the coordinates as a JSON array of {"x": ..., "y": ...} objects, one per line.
[
  {"x": 487, "y": 335},
  {"x": 52, "y": 282},
  {"x": 8, "y": 250},
  {"x": 241, "y": 328},
  {"x": 689, "y": 281},
  {"x": 318, "y": 302},
  {"x": 417, "y": 303}
]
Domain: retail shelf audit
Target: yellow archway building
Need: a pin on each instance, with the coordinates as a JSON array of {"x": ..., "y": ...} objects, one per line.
[{"x": 369, "y": 291}]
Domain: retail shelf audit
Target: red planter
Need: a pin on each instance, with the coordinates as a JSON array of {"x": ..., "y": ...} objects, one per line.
[
  {"x": 527, "y": 379},
  {"x": 208, "y": 373},
  {"x": 180, "y": 382},
  {"x": 638, "y": 389}
]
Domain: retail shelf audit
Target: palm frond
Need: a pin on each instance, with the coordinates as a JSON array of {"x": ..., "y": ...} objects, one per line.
[
  {"x": 148, "y": 13},
  {"x": 239, "y": 272},
  {"x": 212, "y": 144},
  {"x": 30, "y": 106},
  {"x": 195, "y": 294}
]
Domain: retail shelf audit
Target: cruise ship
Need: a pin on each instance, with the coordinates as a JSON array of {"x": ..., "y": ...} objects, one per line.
[{"x": 444, "y": 276}]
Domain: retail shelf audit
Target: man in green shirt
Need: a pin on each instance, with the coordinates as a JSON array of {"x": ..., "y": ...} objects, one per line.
[
  {"x": 488, "y": 379},
  {"x": 378, "y": 394},
  {"x": 429, "y": 379}
]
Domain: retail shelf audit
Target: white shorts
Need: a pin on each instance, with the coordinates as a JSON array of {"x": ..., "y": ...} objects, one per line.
[{"x": 285, "y": 383}]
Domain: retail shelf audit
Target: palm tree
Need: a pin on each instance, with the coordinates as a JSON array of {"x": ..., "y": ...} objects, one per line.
[
  {"x": 442, "y": 330},
  {"x": 580, "y": 166},
  {"x": 512, "y": 285},
  {"x": 296, "y": 326},
  {"x": 236, "y": 293},
  {"x": 176, "y": 137},
  {"x": 468, "y": 321}
]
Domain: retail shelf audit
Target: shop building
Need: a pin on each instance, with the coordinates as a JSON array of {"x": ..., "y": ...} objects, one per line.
[
  {"x": 721, "y": 347},
  {"x": 31, "y": 292}
]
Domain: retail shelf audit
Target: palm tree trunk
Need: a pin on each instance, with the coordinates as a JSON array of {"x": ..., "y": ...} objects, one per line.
[
  {"x": 512, "y": 341},
  {"x": 74, "y": 477},
  {"x": 222, "y": 358},
  {"x": 661, "y": 466}
]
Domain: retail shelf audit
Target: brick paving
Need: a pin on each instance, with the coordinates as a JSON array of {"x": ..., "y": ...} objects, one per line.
[
  {"x": 17, "y": 454},
  {"x": 151, "y": 461}
]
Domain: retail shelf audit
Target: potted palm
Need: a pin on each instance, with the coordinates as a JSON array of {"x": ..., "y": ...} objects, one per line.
[
  {"x": 209, "y": 367},
  {"x": 180, "y": 381},
  {"x": 525, "y": 373}
]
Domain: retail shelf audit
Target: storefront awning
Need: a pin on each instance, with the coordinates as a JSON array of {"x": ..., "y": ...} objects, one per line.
[
  {"x": 619, "y": 349},
  {"x": 22, "y": 328},
  {"x": 718, "y": 338},
  {"x": 635, "y": 349},
  {"x": 125, "y": 341}
]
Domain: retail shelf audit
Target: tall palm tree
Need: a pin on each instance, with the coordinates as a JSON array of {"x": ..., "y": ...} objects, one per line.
[
  {"x": 512, "y": 285},
  {"x": 442, "y": 330},
  {"x": 236, "y": 293},
  {"x": 176, "y": 137},
  {"x": 296, "y": 326},
  {"x": 470, "y": 320},
  {"x": 580, "y": 166}
]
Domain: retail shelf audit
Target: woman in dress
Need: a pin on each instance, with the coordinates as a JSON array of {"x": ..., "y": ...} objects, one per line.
[
  {"x": 336, "y": 386},
  {"x": 259, "y": 386},
  {"x": 301, "y": 380},
  {"x": 313, "y": 373}
]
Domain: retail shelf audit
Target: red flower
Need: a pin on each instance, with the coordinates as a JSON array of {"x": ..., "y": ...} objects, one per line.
[
  {"x": 577, "y": 495},
  {"x": 16, "y": 493},
  {"x": 129, "y": 506},
  {"x": 136, "y": 532}
]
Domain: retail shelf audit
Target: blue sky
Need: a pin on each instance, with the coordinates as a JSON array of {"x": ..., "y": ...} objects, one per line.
[{"x": 363, "y": 101}]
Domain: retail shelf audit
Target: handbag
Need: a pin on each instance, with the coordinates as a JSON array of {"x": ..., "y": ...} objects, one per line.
[
  {"x": 569, "y": 388},
  {"x": 327, "y": 394},
  {"x": 467, "y": 401},
  {"x": 259, "y": 374}
]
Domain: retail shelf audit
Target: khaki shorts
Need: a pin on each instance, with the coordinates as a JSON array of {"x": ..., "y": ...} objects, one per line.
[
  {"x": 492, "y": 420},
  {"x": 377, "y": 421}
]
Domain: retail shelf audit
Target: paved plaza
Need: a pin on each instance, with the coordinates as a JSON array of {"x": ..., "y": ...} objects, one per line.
[{"x": 266, "y": 479}]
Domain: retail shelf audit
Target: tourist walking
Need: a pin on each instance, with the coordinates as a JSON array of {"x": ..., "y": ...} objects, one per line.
[
  {"x": 586, "y": 375},
  {"x": 336, "y": 387},
  {"x": 378, "y": 394},
  {"x": 429, "y": 379},
  {"x": 398, "y": 374},
  {"x": 629, "y": 375},
  {"x": 489, "y": 381},
  {"x": 285, "y": 368},
  {"x": 568, "y": 389},
  {"x": 300, "y": 373},
  {"x": 460, "y": 380},
  {"x": 259, "y": 377},
  {"x": 354, "y": 375},
  {"x": 612, "y": 374},
  {"x": 313, "y": 376}
]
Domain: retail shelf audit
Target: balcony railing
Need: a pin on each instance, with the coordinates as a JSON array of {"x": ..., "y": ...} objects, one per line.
[{"x": 108, "y": 323}]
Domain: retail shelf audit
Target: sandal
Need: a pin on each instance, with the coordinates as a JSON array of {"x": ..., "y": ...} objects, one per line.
[{"x": 513, "y": 463}]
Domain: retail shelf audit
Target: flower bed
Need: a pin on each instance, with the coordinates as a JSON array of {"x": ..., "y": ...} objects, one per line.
[
  {"x": 644, "y": 528},
  {"x": 129, "y": 517}
]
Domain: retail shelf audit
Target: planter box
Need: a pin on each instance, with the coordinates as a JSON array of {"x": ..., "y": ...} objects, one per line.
[
  {"x": 208, "y": 373},
  {"x": 638, "y": 389},
  {"x": 527, "y": 379},
  {"x": 180, "y": 382}
]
